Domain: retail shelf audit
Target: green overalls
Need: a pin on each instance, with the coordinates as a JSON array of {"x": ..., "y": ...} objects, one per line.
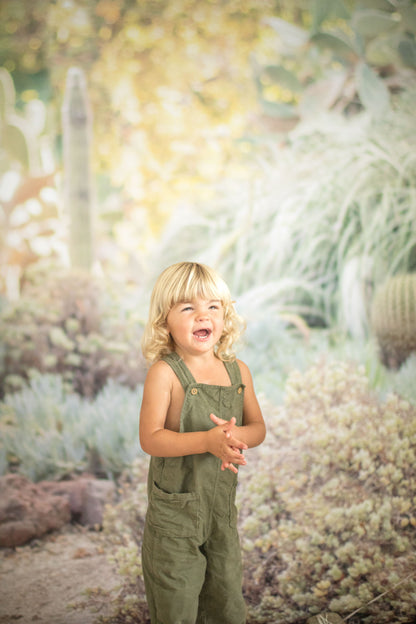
[{"x": 191, "y": 551}]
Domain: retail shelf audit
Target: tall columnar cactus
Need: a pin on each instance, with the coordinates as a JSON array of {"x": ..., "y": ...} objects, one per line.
[
  {"x": 78, "y": 194},
  {"x": 393, "y": 319}
]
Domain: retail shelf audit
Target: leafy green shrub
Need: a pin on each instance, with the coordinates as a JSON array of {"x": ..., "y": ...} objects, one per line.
[
  {"x": 50, "y": 433},
  {"x": 273, "y": 350},
  {"x": 123, "y": 523},
  {"x": 327, "y": 507},
  {"x": 69, "y": 323},
  {"x": 403, "y": 381}
]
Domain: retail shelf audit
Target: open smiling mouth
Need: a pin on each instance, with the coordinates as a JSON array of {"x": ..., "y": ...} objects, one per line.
[{"x": 202, "y": 334}]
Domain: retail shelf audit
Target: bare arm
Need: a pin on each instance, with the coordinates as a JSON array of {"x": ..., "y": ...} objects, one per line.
[
  {"x": 253, "y": 429},
  {"x": 156, "y": 440}
]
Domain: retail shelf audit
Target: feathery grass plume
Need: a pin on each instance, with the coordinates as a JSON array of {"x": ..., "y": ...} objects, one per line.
[{"x": 340, "y": 189}]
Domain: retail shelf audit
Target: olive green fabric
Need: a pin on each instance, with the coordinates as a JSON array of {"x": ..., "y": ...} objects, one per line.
[{"x": 191, "y": 551}]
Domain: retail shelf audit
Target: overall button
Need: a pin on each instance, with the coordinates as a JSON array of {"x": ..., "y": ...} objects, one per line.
[
  {"x": 240, "y": 390},
  {"x": 194, "y": 391}
]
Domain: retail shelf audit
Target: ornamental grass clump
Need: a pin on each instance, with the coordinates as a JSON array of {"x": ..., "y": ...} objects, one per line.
[
  {"x": 328, "y": 505},
  {"x": 316, "y": 225}
]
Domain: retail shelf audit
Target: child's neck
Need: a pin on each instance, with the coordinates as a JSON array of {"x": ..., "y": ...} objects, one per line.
[{"x": 206, "y": 368}]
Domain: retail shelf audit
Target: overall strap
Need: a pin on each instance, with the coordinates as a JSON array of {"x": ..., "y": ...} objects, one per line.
[
  {"x": 179, "y": 368},
  {"x": 233, "y": 371}
]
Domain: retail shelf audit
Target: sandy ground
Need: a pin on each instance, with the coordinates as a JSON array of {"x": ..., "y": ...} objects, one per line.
[{"x": 42, "y": 581}]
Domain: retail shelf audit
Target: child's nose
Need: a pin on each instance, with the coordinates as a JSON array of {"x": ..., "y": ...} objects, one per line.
[{"x": 202, "y": 314}]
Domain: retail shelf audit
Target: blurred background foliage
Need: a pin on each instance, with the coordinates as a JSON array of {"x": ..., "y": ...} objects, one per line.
[
  {"x": 183, "y": 94},
  {"x": 275, "y": 141}
]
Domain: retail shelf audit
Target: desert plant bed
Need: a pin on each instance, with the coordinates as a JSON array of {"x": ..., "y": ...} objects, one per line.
[{"x": 327, "y": 507}]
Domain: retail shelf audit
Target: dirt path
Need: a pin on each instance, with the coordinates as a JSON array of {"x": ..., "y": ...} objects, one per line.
[{"x": 40, "y": 581}]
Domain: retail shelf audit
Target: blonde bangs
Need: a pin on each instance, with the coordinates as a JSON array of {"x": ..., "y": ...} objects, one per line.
[
  {"x": 182, "y": 282},
  {"x": 198, "y": 281}
]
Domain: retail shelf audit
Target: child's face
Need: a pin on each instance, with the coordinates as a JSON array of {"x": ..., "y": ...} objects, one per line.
[{"x": 196, "y": 326}]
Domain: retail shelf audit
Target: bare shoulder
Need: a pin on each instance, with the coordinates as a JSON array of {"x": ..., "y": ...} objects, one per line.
[
  {"x": 245, "y": 372},
  {"x": 160, "y": 373}
]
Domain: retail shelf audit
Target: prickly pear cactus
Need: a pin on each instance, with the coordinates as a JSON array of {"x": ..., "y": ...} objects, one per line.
[{"x": 393, "y": 319}]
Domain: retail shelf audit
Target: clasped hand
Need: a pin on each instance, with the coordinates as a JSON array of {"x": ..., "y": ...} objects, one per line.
[{"x": 224, "y": 445}]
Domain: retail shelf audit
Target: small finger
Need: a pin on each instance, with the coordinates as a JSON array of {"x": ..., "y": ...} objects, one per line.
[
  {"x": 239, "y": 459},
  {"x": 236, "y": 444},
  {"x": 229, "y": 466}
]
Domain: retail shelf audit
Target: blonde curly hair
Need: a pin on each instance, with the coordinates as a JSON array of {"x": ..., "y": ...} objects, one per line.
[{"x": 180, "y": 282}]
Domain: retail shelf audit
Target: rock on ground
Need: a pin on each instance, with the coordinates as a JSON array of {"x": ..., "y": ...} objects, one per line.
[{"x": 30, "y": 510}]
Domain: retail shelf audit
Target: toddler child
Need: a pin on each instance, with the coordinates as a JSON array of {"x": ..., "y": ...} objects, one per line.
[{"x": 199, "y": 412}]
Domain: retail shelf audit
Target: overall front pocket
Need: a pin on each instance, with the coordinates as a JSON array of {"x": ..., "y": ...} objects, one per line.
[{"x": 174, "y": 515}]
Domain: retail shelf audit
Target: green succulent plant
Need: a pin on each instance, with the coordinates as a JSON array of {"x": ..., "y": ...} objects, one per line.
[
  {"x": 48, "y": 432},
  {"x": 327, "y": 508},
  {"x": 68, "y": 322}
]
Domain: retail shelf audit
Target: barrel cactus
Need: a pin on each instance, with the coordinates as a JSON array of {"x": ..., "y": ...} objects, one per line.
[{"x": 393, "y": 319}]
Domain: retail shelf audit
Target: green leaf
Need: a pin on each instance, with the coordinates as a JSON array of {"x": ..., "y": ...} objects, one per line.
[
  {"x": 16, "y": 144},
  {"x": 407, "y": 51},
  {"x": 7, "y": 92},
  {"x": 409, "y": 18},
  {"x": 339, "y": 43},
  {"x": 292, "y": 36},
  {"x": 372, "y": 91},
  {"x": 323, "y": 94},
  {"x": 340, "y": 10},
  {"x": 282, "y": 76},
  {"x": 383, "y": 50},
  {"x": 278, "y": 109},
  {"x": 325, "y": 9},
  {"x": 382, "y": 5},
  {"x": 321, "y": 11},
  {"x": 370, "y": 22}
]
